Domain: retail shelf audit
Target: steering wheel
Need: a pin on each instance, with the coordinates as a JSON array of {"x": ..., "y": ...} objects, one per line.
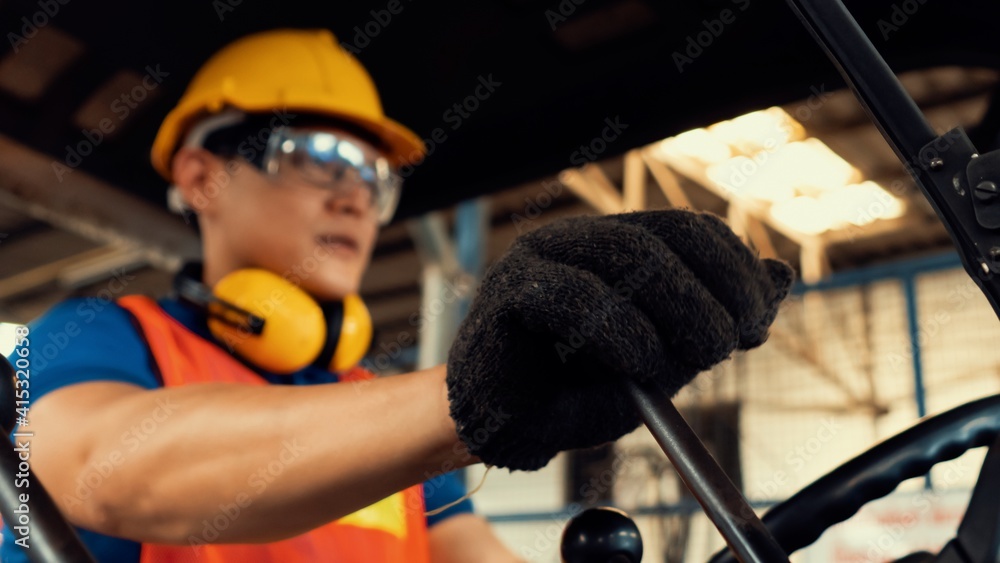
[{"x": 800, "y": 520}]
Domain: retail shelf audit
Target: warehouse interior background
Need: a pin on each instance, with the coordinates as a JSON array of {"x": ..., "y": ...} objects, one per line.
[{"x": 592, "y": 107}]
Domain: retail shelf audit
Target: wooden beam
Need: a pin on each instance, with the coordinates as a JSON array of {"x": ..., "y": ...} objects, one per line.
[
  {"x": 668, "y": 183},
  {"x": 595, "y": 194},
  {"x": 54, "y": 272},
  {"x": 604, "y": 186},
  {"x": 634, "y": 181},
  {"x": 750, "y": 229},
  {"x": 736, "y": 216},
  {"x": 90, "y": 207},
  {"x": 696, "y": 173},
  {"x": 881, "y": 227},
  {"x": 814, "y": 263},
  {"x": 761, "y": 239}
]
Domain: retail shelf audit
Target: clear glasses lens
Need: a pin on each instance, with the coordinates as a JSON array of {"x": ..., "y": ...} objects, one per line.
[{"x": 334, "y": 161}]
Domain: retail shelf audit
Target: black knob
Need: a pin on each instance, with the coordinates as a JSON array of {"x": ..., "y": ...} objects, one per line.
[{"x": 602, "y": 535}]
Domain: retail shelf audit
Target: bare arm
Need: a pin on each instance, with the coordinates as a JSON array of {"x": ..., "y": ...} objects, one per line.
[
  {"x": 467, "y": 538},
  {"x": 152, "y": 465}
]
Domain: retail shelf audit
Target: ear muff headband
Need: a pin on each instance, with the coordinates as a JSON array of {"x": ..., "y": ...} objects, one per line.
[{"x": 196, "y": 293}]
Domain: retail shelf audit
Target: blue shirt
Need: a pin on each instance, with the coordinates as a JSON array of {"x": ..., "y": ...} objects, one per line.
[{"x": 90, "y": 339}]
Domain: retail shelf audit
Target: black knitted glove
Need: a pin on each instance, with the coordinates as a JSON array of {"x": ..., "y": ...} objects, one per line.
[{"x": 576, "y": 306}]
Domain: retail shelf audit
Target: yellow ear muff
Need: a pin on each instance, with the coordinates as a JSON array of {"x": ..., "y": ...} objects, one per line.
[
  {"x": 355, "y": 335},
  {"x": 294, "y": 330}
]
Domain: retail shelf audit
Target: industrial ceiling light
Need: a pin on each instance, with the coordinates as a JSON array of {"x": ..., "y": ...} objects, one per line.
[
  {"x": 765, "y": 156},
  {"x": 764, "y": 130}
]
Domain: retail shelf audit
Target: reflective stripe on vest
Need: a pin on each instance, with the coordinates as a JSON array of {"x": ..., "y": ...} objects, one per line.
[{"x": 391, "y": 530}]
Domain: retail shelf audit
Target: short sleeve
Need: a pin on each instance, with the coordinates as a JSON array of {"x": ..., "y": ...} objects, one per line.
[
  {"x": 81, "y": 340},
  {"x": 442, "y": 490},
  {"x": 86, "y": 339},
  {"x": 105, "y": 549}
]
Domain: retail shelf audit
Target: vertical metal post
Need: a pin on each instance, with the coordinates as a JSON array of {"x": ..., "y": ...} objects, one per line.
[
  {"x": 913, "y": 322},
  {"x": 916, "y": 353},
  {"x": 438, "y": 302},
  {"x": 472, "y": 224},
  {"x": 451, "y": 271}
]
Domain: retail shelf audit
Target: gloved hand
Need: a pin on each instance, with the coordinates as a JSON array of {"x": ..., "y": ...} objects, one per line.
[{"x": 576, "y": 306}]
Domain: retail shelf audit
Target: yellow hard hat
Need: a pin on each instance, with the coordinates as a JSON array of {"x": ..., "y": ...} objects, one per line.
[{"x": 293, "y": 70}]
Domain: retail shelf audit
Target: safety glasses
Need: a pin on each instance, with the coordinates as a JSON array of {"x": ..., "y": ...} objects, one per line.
[{"x": 333, "y": 160}]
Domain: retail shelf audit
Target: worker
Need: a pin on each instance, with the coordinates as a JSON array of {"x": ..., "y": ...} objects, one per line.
[{"x": 230, "y": 421}]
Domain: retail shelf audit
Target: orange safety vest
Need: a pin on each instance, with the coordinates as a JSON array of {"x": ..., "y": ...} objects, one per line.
[{"x": 391, "y": 530}]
